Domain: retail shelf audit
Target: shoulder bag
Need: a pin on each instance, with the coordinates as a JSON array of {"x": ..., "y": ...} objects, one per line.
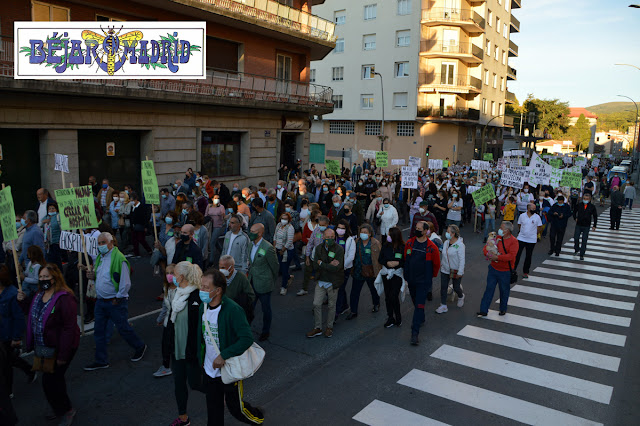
[
  {"x": 367, "y": 270},
  {"x": 514, "y": 274},
  {"x": 238, "y": 367}
]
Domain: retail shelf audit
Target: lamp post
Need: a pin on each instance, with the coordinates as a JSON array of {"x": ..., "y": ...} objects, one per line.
[
  {"x": 382, "y": 136},
  {"x": 484, "y": 131},
  {"x": 635, "y": 129}
]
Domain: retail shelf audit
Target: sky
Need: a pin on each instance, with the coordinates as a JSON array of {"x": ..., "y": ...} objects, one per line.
[{"x": 568, "y": 49}]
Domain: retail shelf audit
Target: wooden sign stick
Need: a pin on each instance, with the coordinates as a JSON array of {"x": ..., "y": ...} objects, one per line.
[
  {"x": 80, "y": 280},
  {"x": 153, "y": 216},
  {"x": 15, "y": 260}
]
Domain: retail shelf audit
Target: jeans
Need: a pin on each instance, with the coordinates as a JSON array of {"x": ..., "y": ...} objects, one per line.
[
  {"x": 556, "y": 235},
  {"x": 489, "y": 223},
  {"x": 356, "y": 287},
  {"x": 119, "y": 314},
  {"x": 183, "y": 372},
  {"x": 265, "y": 303},
  {"x": 218, "y": 393},
  {"x": 214, "y": 253},
  {"x": 527, "y": 259},
  {"x": 628, "y": 202},
  {"x": 582, "y": 248},
  {"x": 341, "y": 303},
  {"x": 444, "y": 287},
  {"x": 615, "y": 214},
  {"x": 308, "y": 271},
  {"x": 502, "y": 279},
  {"x": 392, "y": 297},
  {"x": 318, "y": 298},
  {"x": 452, "y": 222},
  {"x": 54, "y": 386},
  {"x": 284, "y": 266},
  {"x": 418, "y": 293}
]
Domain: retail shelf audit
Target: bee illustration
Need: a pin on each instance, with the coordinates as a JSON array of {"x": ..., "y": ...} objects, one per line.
[{"x": 109, "y": 48}]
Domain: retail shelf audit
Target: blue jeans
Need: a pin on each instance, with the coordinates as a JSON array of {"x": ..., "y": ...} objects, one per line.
[
  {"x": 356, "y": 288},
  {"x": 503, "y": 280},
  {"x": 418, "y": 293},
  {"x": 284, "y": 266},
  {"x": 628, "y": 202},
  {"x": 341, "y": 303},
  {"x": 119, "y": 314},
  {"x": 265, "y": 303},
  {"x": 582, "y": 248},
  {"x": 489, "y": 223}
]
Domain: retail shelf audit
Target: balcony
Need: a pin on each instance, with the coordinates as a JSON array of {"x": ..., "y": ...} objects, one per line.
[
  {"x": 449, "y": 83},
  {"x": 516, "y": 4},
  {"x": 513, "y": 49},
  {"x": 511, "y": 73},
  {"x": 467, "y": 19},
  {"x": 510, "y": 98},
  {"x": 469, "y": 53},
  {"x": 515, "y": 25},
  {"x": 221, "y": 87},
  {"x": 447, "y": 114}
]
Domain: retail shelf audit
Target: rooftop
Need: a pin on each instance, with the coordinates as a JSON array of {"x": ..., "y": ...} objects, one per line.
[{"x": 576, "y": 112}]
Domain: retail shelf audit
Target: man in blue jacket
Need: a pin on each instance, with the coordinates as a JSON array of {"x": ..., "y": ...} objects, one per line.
[{"x": 558, "y": 216}]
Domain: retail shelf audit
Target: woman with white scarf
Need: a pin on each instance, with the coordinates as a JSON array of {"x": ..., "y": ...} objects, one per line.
[{"x": 182, "y": 321}]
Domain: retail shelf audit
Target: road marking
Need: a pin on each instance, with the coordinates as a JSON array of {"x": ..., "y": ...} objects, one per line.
[
  {"x": 582, "y": 266},
  {"x": 602, "y": 252},
  {"x": 565, "y": 353},
  {"x": 489, "y": 401},
  {"x": 559, "y": 328},
  {"x": 610, "y": 244},
  {"x": 525, "y": 373},
  {"x": 580, "y": 286},
  {"x": 607, "y": 237},
  {"x": 597, "y": 301},
  {"x": 591, "y": 277},
  {"x": 379, "y": 413},
  {"x": 599, "y": 262},
  {"x": 89, "y": 326},
  {"x": 570, "y": 312}
]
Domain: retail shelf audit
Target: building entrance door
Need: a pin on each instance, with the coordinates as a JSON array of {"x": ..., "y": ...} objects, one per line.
[{"x": 288, "y": 149}]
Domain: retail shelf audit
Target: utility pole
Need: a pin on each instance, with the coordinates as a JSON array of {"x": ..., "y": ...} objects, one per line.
[{"x": 382, "y": 136}]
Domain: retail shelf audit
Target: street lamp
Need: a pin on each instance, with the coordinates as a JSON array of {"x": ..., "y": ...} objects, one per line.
[
  {"x": 637, "y": 145},
  {"x": 635, "y": 129},
  {"x": 382, "y": 136}
]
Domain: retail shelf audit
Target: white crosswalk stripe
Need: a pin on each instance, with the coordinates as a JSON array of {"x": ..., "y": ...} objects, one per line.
[
  {"x": 580, "y": 286},
  {"x": 380, "y": 413},
  {"x": 606, "y": 253},
  {"x": 591, "y": 277},
  {"x": 582, "y": 266},
  {"x": 597, "y": 301},
  {"x": 610, "y": 244},
  {"x": 610, "y": 262},
  {"x": 570, "y": 312}
]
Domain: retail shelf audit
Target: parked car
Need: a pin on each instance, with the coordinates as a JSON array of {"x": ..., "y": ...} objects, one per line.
[{"x": 622, "y": 174}]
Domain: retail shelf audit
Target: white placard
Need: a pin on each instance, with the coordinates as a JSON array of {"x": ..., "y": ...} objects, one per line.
[
  {"x": 71, "y": 241},
  {"x": 409, "y": 177},
  {"x": 515, "y": 177},
  {"x": 540, "y": 171},
  {"x": 517, "y": 153},
  {"x": 595, "y": 162},
  {"x": 472, "y": 189},
  {"x": 515, "y": 162},
  {"x": 367, "y": 153},
  {"x": 61, "y": 163},
  {"x": 506, "y": 154},
  {"x": 567, "y": 160},
  {"x": 556, "y": 177},
  {"x": 480, "y": 165},
  {"x": 415, "y": 162},
  {"x": 580, "y": 161},
  {"x": 435, "y": 164},
  {"x": 501, "y": 165},
  {"x": 399, "y": 162}
]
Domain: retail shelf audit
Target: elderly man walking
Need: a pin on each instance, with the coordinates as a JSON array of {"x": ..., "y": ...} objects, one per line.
[
  {"x": 33, "y": 235},
  {"x": 263, "y": 272}
]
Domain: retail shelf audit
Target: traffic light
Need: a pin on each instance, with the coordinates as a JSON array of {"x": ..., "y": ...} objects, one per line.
[{"x": 428, "y": 148}]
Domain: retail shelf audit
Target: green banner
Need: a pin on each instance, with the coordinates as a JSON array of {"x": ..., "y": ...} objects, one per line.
[
  {"x": 8, "y": 215},
  {"x": 445, "y": 164},
  {"x": 488, "y": 156},
  {"x": 150, "y": 183},
  {"x": 76, "y": 207},
  {"x": 382, "y": 159},
  {"x": 571, "y": 179},
  {"x": 556, "y": 163},
  {"x": 484, "y": 194},
  {"x": 332, "y": 166}
]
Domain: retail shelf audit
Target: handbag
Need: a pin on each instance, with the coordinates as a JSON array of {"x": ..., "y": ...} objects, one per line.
[
  {"x": 514, "y": 274},
  {"x": 297, "y": 237},
  {"x": 44, "y": 359},
  {"x": 367, "y": 270},
  {"x": 238, "y": 367}
]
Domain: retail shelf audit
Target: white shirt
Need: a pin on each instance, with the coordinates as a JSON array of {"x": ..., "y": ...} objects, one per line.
[
  {"x": 210, "y": 316},
  {"x": 254, "y": 249},
  {"x": 529, "y": 228},
  {"x": 42, "y": 212}
]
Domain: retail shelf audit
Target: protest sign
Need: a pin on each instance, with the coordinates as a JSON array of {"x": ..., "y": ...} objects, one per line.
[
  {"x": 61, "y": 163},
  {"x": 501, "y": 165},
  {"x": 540, "y": 171},
  {"x": 517, "y": 153},
  {"x": 484, "y": 194},
  {"x": 595, "y": 162},
  {"x": 409, "y": 177},
  {"x": 556, "y": 177},
  {"x": 150, "y": 183},
  {"x": 506, "y": 154},
  {"x": 567, "y": 160},
  {"x": 435, "y": 164},
  {"x": 72, "y": 241},
  {"x": 76, "y": 207},
  {"x": 480, "y": 165},
  {"x": 471, "y": 189},
  {"x": 571, "y": 179},
  {"x": 556, "y": 163},
  {"x": 488, "y": 156},
  {"x": 382, "y": 159},
  {"x": 456, "y": 169},
  {"x": 580, "y": 161},
  {"x": 515, "y": 176},
  {"x": 367, "y": 153},
  {"x": 399, "y": 162},
  {"x": 332, "y": 166},
  {"x": 445, "y": 164},
  {"x": 515, "y": 162},
  {"x": 7, "y": 215},
  {"x": 415, "y": 162}
]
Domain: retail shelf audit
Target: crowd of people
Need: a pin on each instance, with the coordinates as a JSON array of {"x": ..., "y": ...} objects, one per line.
[{"x": 220, "y": 251}]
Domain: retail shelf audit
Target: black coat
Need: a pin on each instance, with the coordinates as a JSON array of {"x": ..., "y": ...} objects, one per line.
[
  {"x": 193, "y": 312},
  {"x": 583, "y": 215}
]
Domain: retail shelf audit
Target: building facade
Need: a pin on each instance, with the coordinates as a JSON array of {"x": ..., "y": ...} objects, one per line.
[
  {"x": 250, "y": 115},
  {"x": 437, "y": 70},
  {"x": 574, "y": 115}
]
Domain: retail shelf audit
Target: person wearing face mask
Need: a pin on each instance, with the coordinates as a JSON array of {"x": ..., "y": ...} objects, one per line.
[
  {"x": 274, "y": 205},
  {"x": 52, "y": 333},
  {"x": 200, "y": 200},
  {"x": 105, "y": 196},
  {"x": 451, "y": 268},
  {"x": 187, "y": 249},
  {"x": 370, "y": 187},
  {"x": 559, "y": 215},
  {"x": 329, "y": 258},
  {"x": 373, "y": 210},
  {"x": 423, "y": 215},
  {"x": 336, "y": 209},
  {"x": 583, "y": 215},
  {"x": 345, "y": 240},
  {"x": 115, "y": 208},
  {"x": 523, "y": 198},
  {"x": 325, "y": 199},
  {"x": 530, "y": 225},
  {"x": 297, "y": 236},
  {"x": 263, "y": 273},
  {"x": 283, "y": 242},
  {"x": 315, "y": 239},
  {"x": 238, "y": 287},
  {"x": 215, "y": 213},
  {"x": 236, "y": 243},
  {"x": 263, "y": 217},
  {"x": 391, "y": 259},
  {"x": 169, "y": 292},
  {"x": 454, "y": 214},
  {"x": 140, "y": 215},
  {"x": 388, "y": 217},
  {"x": 347, "y": 214},
  {"x": 365, "y": 269},
  {"x": 52, "y": 232},
  {"x": 33, "y": 235}
]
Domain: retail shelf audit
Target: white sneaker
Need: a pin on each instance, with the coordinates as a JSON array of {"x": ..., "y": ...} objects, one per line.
[
  {"x": 283, "y": 291},
  {"x": 302, "y": 292},
  {"x": 461, "y": 301},
  {"x": 442, "y": 309},
  {"x": 162, "y": 372}
]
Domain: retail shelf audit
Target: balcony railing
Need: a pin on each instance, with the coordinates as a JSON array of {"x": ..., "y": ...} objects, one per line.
[
  {"x": 434, "y": 46},
  {"x": 275, "y": 13},
  {"x": 453, "y": 16},
  {"x": 513, "y": 49},
  {"x": 432, "y": 111},
  {"x": 512, "y": 74},
  {"x": 219, "y": 84},
  {"x": 451, "y": 82},
  {"x": 510, "y": 97},
  {"x": 515, "y": 25}
]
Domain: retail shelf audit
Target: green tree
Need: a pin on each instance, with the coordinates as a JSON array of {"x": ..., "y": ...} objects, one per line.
[
  {"x": 549, "y": 115},
  {"x": 580, "y": 134}
]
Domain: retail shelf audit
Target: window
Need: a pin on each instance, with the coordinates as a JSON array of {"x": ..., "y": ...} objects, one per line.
[
  {"x": 403, "y": 38},
  {"x": 405, "y": 128},
  {"x": 367, "y": 72},
  {"x": 337, "y": 101},
  {"x": 490, "y": 18},
  {"x": 103, "y": 18},
  {"x": 497, "y": 54},
  {"x": 493, "y": 108},
  {"x": 505, "y": 31},
  {"x": 404, "y": 7},
  {"x": 502, "y": 84},
  {"x": 340, "y": 17},
  {"x": 484, "y": 106},
  {"x": 402, "y": 69},
  {"x": 469, "y": 134},
  {"x": 488, "y": 49},
  {"x": 372, "y": 128},
  {"x": 370, "y": 12},
  {"x": 316, "y": 153},
  {"x": 369, "y": 42},
  {"x": 48, "y": 12},
  {"x": 317, "y": 126},
  {"x": 221, "y": 153},
  {"x": 283, "y": 67},
  {"x": 504, "y": 58},
  {"x": 366, "y": 101},
  {"x": 495, "y": 81},
  {"x": 500, "y": 109},
  {"x": 341, "y": 127},
  {"x": 339, "y": 46},
  {"x": 400, "y": 100},
  {"x": 337, "y": 73},
  {"x": 447, "y": 73},
  {"x": 498, "y": 24},
  {"x": 486, "y": 77},
  {"x": 284, "y": 2},
  {"x": 312, "y": 76}
]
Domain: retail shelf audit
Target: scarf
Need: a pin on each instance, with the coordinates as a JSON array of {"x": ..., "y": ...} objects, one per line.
[{"x": 179, "y": 301}]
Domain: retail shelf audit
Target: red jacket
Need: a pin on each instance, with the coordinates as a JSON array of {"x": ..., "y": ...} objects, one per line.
[
  {"x": 511, "y": 245},
  {"x": 433, "y": 253}
]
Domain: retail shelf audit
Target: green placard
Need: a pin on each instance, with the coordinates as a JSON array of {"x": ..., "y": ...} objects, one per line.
[
  {"x": 445, "y": 164},
  {"x": 556, "y": 162},
  {"x": 524, "y": 161},
  {"x": 77, "y": 210},
  {"x": 7, "y": 215},
  {"x": 333, "y": 167},
  {"x": 571, "y": 179},
  {"x": 488, "y": 156},
  {"x": 382, "y": 159},
  {"x": 484, "y": 194},
  {"x": 150, "y": 183}
]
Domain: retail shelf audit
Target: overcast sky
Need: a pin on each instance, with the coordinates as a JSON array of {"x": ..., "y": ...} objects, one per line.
[{"x": 568, "y": 50}]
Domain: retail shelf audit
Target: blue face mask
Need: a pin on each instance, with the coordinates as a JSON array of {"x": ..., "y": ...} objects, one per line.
[
  {"x": 336, "y": 205},
  {"x": 168, "y": 220},
  {"x": 197, "y": 183},
  {"x": 364, "y": 236},
  {"x": 448, "y": 235},
  {"x": 184, "y": 211},
  {"x": 204, "y": 296},
  {"x": 103, "y": 249},
  {"x": 18, "y": 225},
  {"x": 322, "y": 228},
  {"x": 229, "y": 210},
  {"x": 105, "y": 186},
  {"x": 500, "y": 232},
  {"x": 279, "y": 186},
  {"x": 585, "y": 201},
  {"x": 175, "y": 281},
  {"x": 287, "y": 209},
  {"x": 23, "y": 222},
  {"x": 52, "y": 214},
  {"x": 164, "y": 195}
]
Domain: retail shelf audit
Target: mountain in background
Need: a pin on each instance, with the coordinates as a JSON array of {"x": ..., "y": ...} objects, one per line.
[{"x": 612, "y": 107}]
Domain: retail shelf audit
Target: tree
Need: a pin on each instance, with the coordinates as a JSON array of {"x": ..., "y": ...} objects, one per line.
[
  {"x": 580, "y": 134},
  {"x": 551, "y": 115}
]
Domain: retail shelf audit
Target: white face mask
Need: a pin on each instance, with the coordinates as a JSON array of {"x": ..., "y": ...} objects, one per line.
[
  {"x": 284, "y": 222},
  {"x": 216, "y": 201},
  {"x": 225, "y": 272}
]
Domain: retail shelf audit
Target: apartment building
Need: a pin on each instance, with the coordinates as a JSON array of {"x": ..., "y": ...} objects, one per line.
[
  {"x": 444, "y": 67},
  {"x": 251, "y": 114}
]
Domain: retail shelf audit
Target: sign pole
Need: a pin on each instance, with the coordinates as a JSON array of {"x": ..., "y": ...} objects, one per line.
[
  {"x": 15, "y": 260},
  {"x": 153, "y": 215},
  {"x": 80, "y": 280},
  {"x": 62, "y": 172}
]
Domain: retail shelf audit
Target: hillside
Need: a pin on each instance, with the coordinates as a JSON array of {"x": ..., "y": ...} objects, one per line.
[{"x": 612, "y": 107}]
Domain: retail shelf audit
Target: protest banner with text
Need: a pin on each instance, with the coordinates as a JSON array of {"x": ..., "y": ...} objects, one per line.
[
  {"x": 409, "y": 177},
  {"x": 382, "y": 159},
  {"x": 72, "y": 241},
  {"x": 484, "y": 194},
  {"x": 332, "y": 166},
  {"x": 76, "y": 207},
  {"x": 7, "y": 215},
  {"x": 515, "y": 176},
  {"x": 150, "y": 183}
]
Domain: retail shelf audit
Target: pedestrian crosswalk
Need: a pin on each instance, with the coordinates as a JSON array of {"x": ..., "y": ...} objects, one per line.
[{"x": 562, "y": 341}]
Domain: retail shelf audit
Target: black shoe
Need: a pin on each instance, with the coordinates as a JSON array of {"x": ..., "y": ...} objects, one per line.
[
  {"x": 502, "y": 313},
  {"x": 576, "y": 253},
  {"x": 481, "y": 314},
  {"x": 581, "y": 257},
  {"x": 557, "y": 254},
  {"x": 95, "y": 366},
  {"x": 398, "y": 323},
  {"x": 264, "y": 336},
  {"x": 414, "y": 340},
  {"x": 611, "y": 228},
  {"x": 351, "y": 316},
  {"x": 375, "y": 309},
  {"x": 137, "y": 356},
  {"x": 550, "y": 252},
  {"x": 429, "y": 296},
  {"x": 88, "y": 320},
  {"x": 344, "y": 311},
  {"x": 390, "y": 323}
]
